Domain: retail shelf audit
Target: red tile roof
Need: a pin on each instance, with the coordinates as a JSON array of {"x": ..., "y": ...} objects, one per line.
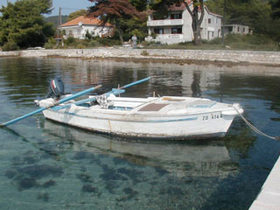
[{"x": 85, "y": 21}]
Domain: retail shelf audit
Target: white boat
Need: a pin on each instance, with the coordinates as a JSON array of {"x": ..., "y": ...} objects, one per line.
[{"x": 166, "y": 117}]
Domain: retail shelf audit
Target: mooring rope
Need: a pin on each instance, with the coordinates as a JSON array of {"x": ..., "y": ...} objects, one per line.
[{"x": 254, "y": 128}]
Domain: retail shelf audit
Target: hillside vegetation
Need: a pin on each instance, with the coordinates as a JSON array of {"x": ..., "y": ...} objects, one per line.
[{"x": 23, "y": 25}]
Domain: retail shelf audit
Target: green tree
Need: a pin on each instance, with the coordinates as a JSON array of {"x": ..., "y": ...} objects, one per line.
[
  {"x": 275, "y": 14},
  {"x": 76, "y": 14},
  {"x": 140, "y": 5},
  {"x": 275, "y": 6},
  {"x": 22, "y": 23},
  {"x": 254, "y": 13},
  {"x": 115, "y": 12}
]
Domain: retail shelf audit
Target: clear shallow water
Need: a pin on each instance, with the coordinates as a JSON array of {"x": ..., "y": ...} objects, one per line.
[{"x": 45, "y": 165}]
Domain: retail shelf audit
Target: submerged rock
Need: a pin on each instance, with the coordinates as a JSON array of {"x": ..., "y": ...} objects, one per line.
[
  {"x": 111, "y": 186},
  {"x": 134, "y": 175},
  {"x": 43, "y": 196},
  {"x": 26, "y": 183},
  {"x": 89, "y": 188},
  {"x": 130, "y": 193},
  {"x": 48, "y": 183},
  {"x": 83, "y": 155},
  {"x": 10, "y": 173},
  {"x": 26, "y": 177},
  {"x": 40, "y": 171},
  {"x": 111, "y": 174},
  {"x": 84, "y": 177},
  {"x": 160, "y": 171}
]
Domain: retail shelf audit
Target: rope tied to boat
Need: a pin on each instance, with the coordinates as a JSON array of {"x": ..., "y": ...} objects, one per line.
[{"x": 255, "y": 129}]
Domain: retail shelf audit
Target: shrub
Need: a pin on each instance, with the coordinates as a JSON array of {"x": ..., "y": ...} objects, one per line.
[
  {"x": 10, "y": 45},
  {"x": 70, "y": 41},
  {"x": 50, "y": 44},
  {"x": 215, "y": 41},
  {"x": 93, "y": 43},
  {"x": 80, "y": 46},
  {"x": 108, "y": 41}
]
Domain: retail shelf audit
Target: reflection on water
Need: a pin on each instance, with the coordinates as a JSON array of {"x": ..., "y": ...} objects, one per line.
[
  {"x": 181, "y": 159},
  {"x": 52, "y": 166}
]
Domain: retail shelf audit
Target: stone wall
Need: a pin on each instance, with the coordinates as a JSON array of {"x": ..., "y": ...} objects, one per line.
[{"x": 159, "y": 55}]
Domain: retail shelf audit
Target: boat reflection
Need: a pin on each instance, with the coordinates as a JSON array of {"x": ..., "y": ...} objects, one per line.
[{"x": 191, "y": 158}]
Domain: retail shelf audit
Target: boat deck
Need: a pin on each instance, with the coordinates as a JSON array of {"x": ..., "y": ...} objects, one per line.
[{"x": 269, "y": 196}]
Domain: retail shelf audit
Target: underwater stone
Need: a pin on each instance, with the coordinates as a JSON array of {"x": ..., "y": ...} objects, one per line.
[
  {"x": 128, "y": 190},
  {"x": 130, "y": 193},
  {"x": 119, "y": 161},
  {"x": 134, "y": 175},
  {"x": 175, "y": 191},
  {"x": 26, "y": 183},
  {"x": 16, "y": 161},
  {"x": 39, "y": 171},
  {"x": 110, "y": 174},
  {"x": 49, "y": 183},
  {"x": 111, "y": 185},
  {"x": 154, "y": 183},
  {"x": 83, "y": 155},
  {"x": 43, "y": 196},
  {"x": 84, "y": 177},
  {"x": 10, "y": 173},
  {"x": 83, "y": 169},
  {"x": 29, "y": 160},
  {"x": 161, "y": 171},
  {"x": 89, "y": 188}
]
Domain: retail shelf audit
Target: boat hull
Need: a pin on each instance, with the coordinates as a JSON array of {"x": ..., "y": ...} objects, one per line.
[{"x": 176, "y": 127}]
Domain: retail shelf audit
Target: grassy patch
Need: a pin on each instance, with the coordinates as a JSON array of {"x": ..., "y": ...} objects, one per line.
[
  {"x": 232, "y": 41},
  {"x": 71, "y": 43}
]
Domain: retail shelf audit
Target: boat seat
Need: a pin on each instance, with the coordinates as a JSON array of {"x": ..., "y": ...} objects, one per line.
[{"x": 201, "y": 104}]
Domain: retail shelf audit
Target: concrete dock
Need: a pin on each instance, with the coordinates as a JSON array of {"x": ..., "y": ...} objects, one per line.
[{"x": 269, "y": 196}]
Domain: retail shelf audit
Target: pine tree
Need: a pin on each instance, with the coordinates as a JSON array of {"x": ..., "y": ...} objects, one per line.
[
  {"x": 22, "y": 23},
  {"x": 114, "y": 12}
]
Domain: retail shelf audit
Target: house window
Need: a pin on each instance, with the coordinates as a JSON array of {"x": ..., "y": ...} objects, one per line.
[
  {"x": 176, "y": 30},
  {"x": 176, "y": 16},
  {"x": 209, "y": 20},
  {"x": 70, "y": 33},
  {"x": 243, "y": 30},
  {"x": 159, "y": 31},
  {"x": 238, "y": 29}
]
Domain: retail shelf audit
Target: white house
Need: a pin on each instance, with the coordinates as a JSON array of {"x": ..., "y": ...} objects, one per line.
[
  {"x": 237, "y": 29},
  {"x": 177, "y": 27},
  {"x": 80, "y": 26}
]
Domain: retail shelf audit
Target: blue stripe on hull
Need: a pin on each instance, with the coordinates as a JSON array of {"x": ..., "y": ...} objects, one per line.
[{"x": 146, "y": 121}]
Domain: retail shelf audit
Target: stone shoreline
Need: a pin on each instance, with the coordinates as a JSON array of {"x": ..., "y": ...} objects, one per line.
[{"x": 219, "y": 57}]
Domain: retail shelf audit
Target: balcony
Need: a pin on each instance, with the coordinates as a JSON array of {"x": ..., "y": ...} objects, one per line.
[
  {"x": 167, "y": 38},
  {"x": 167, "y": 22}
]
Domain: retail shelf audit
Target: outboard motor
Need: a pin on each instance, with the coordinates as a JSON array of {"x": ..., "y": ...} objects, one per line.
[{"x": 56, "y": 88}]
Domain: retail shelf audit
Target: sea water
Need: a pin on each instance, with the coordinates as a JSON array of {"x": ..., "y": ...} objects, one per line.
[{"x": 46, "y": 165}]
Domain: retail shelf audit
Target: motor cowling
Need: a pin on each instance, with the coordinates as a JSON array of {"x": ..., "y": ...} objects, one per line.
[{"x": 56, "y": 88}]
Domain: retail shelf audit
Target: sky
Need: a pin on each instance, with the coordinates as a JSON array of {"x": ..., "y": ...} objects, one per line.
[{"x": 67, "y": 6}]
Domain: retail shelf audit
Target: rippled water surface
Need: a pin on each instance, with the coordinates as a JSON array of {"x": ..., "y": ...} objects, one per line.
[{"x": 45, "y": 165}]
